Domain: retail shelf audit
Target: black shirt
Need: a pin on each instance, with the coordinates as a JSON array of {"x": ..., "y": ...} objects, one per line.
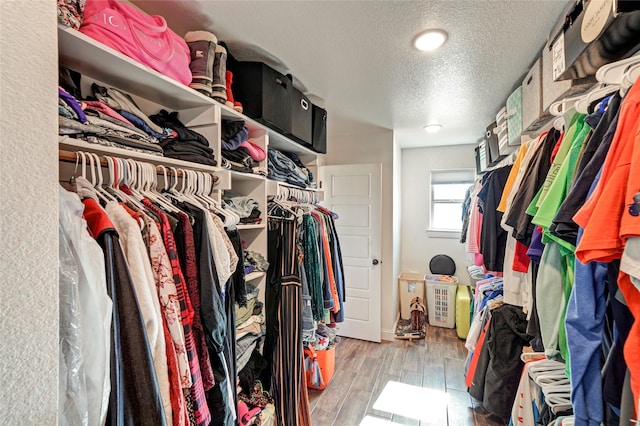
[
  {"x": 493, "y": 238},
  {"x": 534, "y": 177}
]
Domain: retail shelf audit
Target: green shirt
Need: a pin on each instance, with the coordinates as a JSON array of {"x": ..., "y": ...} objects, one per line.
[{"x": 577, "y": 123}]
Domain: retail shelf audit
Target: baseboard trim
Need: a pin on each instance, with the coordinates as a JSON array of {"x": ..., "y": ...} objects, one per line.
[{"x": 387, "y": 334}]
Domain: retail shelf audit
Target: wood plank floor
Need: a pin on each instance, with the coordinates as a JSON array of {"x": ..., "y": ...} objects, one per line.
[{"x": 429, "y": 371}]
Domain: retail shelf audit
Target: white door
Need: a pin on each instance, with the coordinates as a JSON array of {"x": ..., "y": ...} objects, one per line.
[{"x": 353, "y": 192}]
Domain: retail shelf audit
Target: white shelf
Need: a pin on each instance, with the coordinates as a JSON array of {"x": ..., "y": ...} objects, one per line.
[
  {"x": 92, "y": 58},
  {"x": 72, "y": 144},
  {"x": 251, "y": 226},
  {"x": 239, "y": 176},
  {"x": 252, "y": 276},
  {"x": 283, "y": 143},
  {"x": 276, "y": 140}
]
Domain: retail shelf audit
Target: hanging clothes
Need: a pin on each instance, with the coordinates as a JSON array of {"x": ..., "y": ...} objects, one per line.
[
  {"x": 493, "y": 237},
  {"x": 86, "y": 312},
  {"x": 181, "y": 318},
  {"x": 287, "y": 384},
  {"x": 533, "y": 178},
  {"x": 185, "y": 246},
  {"x": 135, "y": 393},
  {"x": 139, "y": 264},
  {"x": 609, "y": 218}
]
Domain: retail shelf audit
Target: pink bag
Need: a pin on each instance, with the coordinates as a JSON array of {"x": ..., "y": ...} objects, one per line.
[{"x": 137, "y": 35}]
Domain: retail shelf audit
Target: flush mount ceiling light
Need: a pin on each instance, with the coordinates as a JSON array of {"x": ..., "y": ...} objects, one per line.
[
  {"x": 433, "y": 128},
  {"x": 430, "y": 40}
]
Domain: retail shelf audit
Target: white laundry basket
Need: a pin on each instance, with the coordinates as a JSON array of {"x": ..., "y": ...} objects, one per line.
[{"x": 441, "y": 300}]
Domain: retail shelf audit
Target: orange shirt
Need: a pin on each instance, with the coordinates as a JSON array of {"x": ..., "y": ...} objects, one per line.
[
  {"x": 602, "y": 214},
  {"x": 612, "y": 215}
]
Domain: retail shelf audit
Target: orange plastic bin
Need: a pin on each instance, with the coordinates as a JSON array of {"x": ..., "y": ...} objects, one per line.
[{"x": 319, "y": 367}]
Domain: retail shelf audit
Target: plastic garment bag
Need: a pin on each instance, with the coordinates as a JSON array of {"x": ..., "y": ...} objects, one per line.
[{"x": 85, "y": 320}]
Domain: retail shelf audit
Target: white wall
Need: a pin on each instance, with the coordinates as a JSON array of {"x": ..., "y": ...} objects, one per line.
[
  {"x": 374, "y": 146},
  {"x": 397, "y": 224},
  {"x": 417, "y": 247},
  {"x": 28, "y": 213}
]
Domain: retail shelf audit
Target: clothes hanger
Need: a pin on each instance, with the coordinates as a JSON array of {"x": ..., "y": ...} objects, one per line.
[
  {"x": 613, "y": 73},
  {"x": 553, "y": 380},
  {"x": 559, "y": 108},
  {"x": 205, "y": 184},
  {"x": 149, "y": 185},
  {"x": 173, "y": 192},
  {"x": 113, "y": 178},
  {"x": 597, "y": 92},
  {"x": 83, "y": 170},
  {"x": 100, "y": 191},
  {"x": 129, "y": 178},
  {"x": 630, "y": 77}
]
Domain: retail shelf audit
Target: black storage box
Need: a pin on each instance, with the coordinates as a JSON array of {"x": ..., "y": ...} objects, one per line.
[
  {"x": 592, "y": 33},
  {"x": 265, "y": 94},
  {"x": 319, "y": 133},
  {"x": 301, "y": 118},
  {"x": 479, "y": 166}
]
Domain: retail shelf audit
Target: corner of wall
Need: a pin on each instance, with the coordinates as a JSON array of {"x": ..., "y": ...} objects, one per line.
[{"x": 29, "y": 211}]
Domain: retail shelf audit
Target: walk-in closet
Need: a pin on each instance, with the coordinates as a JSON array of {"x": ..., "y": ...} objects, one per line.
[{"x": 362, "y": 213}]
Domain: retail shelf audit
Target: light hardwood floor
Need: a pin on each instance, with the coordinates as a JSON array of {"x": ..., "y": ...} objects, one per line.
[{"x": 432, "y": 367}]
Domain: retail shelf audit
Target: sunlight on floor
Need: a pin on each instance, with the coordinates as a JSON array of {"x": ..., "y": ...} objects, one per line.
[
  {"x": 375, "y": 421},
  {"x": 412, "y": 401}
]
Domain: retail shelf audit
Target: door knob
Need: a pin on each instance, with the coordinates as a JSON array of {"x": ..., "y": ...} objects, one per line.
[{"x": 375, "y": 261}]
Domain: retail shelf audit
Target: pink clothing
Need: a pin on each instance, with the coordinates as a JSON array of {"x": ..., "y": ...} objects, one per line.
[
  {"x": 255, "y": 151},
  {"x": 105, "y": 109}
]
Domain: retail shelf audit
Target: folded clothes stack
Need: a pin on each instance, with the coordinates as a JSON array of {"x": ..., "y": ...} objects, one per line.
[
  {"x": 109, "y": 118},
  {"x": 112, "y": 118},
  {"x": 239, "y": 152},
  {"x": 250, "y": 327},
  {"x": 184, "y": 144},
  {"x": 254, "y": 261},
  {"x": 283, "y": 168},
  {"x": 245, "y": 207}
]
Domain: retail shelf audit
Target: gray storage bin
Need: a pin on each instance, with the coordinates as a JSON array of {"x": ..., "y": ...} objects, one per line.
[
  {"x": 533, "y": 115},
  {"x": 554, "y": 90}
]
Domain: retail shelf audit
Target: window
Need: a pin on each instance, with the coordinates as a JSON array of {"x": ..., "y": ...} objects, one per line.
[{"x": 448, "y": 190}]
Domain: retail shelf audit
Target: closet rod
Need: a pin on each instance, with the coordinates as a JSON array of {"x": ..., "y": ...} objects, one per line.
[{"x": 70, "y": 157}]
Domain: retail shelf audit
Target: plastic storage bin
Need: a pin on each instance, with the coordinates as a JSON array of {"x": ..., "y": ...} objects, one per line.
[
  {"x": 410, "y": 285},
  {"x": 441, "y": 300},
  {"x": 463, "y": 310},
  {"x": 319, "y": 375}
]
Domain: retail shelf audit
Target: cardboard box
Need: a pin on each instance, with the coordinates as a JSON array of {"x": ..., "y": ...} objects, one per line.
[{"x": 592, "y": 33}]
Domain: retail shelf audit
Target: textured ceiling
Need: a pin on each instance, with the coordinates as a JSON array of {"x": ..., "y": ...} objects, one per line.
[{"x": 355, "y": 58}]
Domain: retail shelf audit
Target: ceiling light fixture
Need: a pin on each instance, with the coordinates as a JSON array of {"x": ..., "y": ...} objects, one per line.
[
  {"x": 430, "y": 40},
  {"x": 433, "y": 128}
]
